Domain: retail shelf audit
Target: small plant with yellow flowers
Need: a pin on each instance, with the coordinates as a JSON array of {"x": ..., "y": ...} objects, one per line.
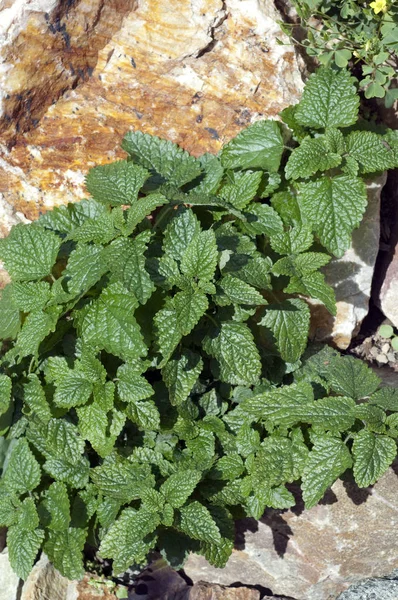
[{"x": 363, "y": 33}]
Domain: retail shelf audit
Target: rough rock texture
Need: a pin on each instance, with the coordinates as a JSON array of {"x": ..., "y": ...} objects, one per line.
[
  {"x": 45, "y": 582},
  {"x": 210, "y": 591},
  {"x": 389, "y": 290},
  {"x": 373, "y": 589},
  {"x": 317, "y": 553},
  {"x": 351, "y": 277},
  {"x": 9, "y": 582},
  {"x": 77, "y": 74}
]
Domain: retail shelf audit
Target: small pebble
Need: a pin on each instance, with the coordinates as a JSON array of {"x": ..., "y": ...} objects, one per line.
[
  {"x": 373, "y": 352},
  {"x": 391, "y": 357},
  {"x": 382, "y": 358},
  {"x": 385, "y": 348}
]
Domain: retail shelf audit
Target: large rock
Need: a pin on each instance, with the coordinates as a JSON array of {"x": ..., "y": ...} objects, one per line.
[
  {"x": 389, "y": 290},
  {"x": 351, "y": 278},
  {"x": 318, "y": 553},
  {"x": 9, "y": 582},
  {"x": 383, "y": 588},
  {"x": 45, "y": 582},
  {"x": 77, "y": 74}
]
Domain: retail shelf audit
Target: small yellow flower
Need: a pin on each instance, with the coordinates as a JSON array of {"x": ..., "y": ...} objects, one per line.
[{"x": 379, "y": 6}]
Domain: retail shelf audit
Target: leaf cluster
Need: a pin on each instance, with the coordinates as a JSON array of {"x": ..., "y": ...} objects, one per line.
[{"x": 152, "y": 383}]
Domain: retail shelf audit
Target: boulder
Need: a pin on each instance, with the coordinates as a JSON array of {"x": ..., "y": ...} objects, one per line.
[
  {"x": 45, "y": 582},
  {"x": 9, "y": 582},
  {"x": 382, "y": 588},
  {"x": 315, "y": 554},
  {"x": 389, "y": 290},
  {"x": 211, "y": 591},
  {"x": 351, "y": 278}
]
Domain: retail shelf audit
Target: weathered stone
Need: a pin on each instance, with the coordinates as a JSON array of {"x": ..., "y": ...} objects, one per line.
[
  {"x": 9, "y": 582},
  {"x": 318, "y": 553},
  {"x": 383, "y": 588},
  {"x": 351, "y": 278},
  {"x": 76, "y": 75},
  {"x": 45, "y": 582},
  {"x": 389, "y": 291},
  {"x": 211, "y": 591}
]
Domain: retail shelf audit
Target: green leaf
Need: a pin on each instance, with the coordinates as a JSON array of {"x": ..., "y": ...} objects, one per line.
[
  {"x": 124, "y": 541},
  {"x": 127, "y": 261},
  {"x": 373, "y": 454},
  {"x": 234, "y": 348},
  {"x": 178, "y": 487},
  {"x": 352, "y": 377},
  {"x": 28, "y": 519},
  {"x": 200, "y": 256},
  {"x": 56, "y": 503},
  {"x": 258, "y": 146},
  {"x": 329, "y": 100},
  {"x": 282, "y": 405},
  {"x": 66, "y": 218},
  {"x": 122, "y": 480},
  {"x": 217, "y": 554},
  {"x": 86, "y": 266},
  {"x": 243, "y": 190},
  {"x": 239, "y": 292},
  {"x": 313, "y": 285},
  {"x": 261, "y": 219},
  {"x": 162, "y": 156},
  {"x": 145, "y": 414},
  {"x": 9, "y": 505},
  {"x": 180, "y": 231},
  {"x": 386, "y": 397},
  {"x": 35, "y": 398},
  {"x": 142, "y": 208},
  {"x": 109, "y": 324},
  {"x": 180, "y": 375},
  {"x": 30, "y": 295},
  {"x": 254, "y": 270},
  {"x": 29, "y": 252},
  {"x": 289, "y": 323},
  {"x": 132, "y": 386},
  {"x": 117, "y": 183},
  {"x": 63, "y": 441},
  {"x": 100, "y": 427},
  {"x": 5, "y": 393},
  {"x": 197, "y": 522},
  {"x": 278, "y": 461},
  {"x": 23, "y": 547},
  {"x": 328, "y": 459},
  {"x": 334, "y": 206},
  {"x": 311, "y": 156},
  {"x": 370, "y": 151},
  {"x": 23, "y": 471},
  {"x": 10, "y": 320},
  {"x": 213, "y": 174},
  {"x": 65, "y": 550},
  {"x": 36, "y": 328},
  {"x": 296, "y": 239},
  {"x": 75, "y": 474},
  {"x": 73, "y": 390}
]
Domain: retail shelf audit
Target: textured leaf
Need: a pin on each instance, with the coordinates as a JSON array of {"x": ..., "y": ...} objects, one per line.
[
  {"x": 234, "y": 348},
  {"x": 100, "y": 230},
  {"x": 278, "y": 461},
  {"x": 29, "y": 252},
  {"x": 57, "y": 505},
  {"x": 243, "y": 190},
  {"x": 5, "y": 393},
  {"x": 122, "y": 480},
  {"x": 35, "y": 398},
  {"x": 145, "y": 414},
  {"x": 197, "y": 522},
  {"x": 23, "y": 547},
  {"x": 239, "y": 292},
  {"x": 289, "y": 323},
  {"x": 294, "y": 240},
  {"x": 373, "y": 454},
  {"x": 217, "y": 554},
  {"x": 313, "y": 285},
  {"x": 66, "y": 218},
  {"x": 261, "y": 219},
  {"x": 132, "y": 386},
  {"x": 328, "y": 459},
  {"x": 100, "y": 428},
  {"x": 180, "y": 375},
  {"x": 75, "y": 474},
  {"x": 10, "y": 320},
  {"x": 283, "y": 405},
  {"x": 329, "y": 100},
  {"x": 162, "y": 157},
  {"x": 73, "y": 390},
  {"x": 124, "y": 540},
  {"x": 311, "y": 156},
  {"x": 334, "y": 206},
  {"x": 258, "y": 146},
  {"x": 213, "y": 174},
  {"x": 36, "y": 327},
  {"x": 142, "y": 208},
  {"x": 370, "y": 151},
  {"x": 200, "y": 257},
  {"x": 117, "y": 183},
  {"x": 110, "y": 324},
  {"x": 65, "y": 550},
  {"x": 179, "y": 486},
  {"x": 28, "y": 519},
  {"x": 9, "y": 504},
  {"x": 23, "y": 471},
  {"x": 127, "y": 258},
  {"x": 254, "y": 270},
  {"x": 86, "y": 266},
  {"x": 386, "y": 397},
  {"x": 181, "y": 230},
  {"x": 30, "y": 295},
  {"x": 63, "y": 441},
  {"x": 352, "y": 377}
]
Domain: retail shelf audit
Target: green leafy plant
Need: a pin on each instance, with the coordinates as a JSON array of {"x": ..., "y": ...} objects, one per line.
[
  {"x": 366, "y": 33},
  {"x": 152, "y": 382},
  {"x": 387, "y": 332}
]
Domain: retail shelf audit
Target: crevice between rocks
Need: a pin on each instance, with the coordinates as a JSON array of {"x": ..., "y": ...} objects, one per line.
[{"x": 213, "y": 32}]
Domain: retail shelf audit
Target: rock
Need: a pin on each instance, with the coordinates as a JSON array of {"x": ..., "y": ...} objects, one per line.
[
  {"x": 45, "y": 582},
  {"x": 211, "y": 591},
  {"x": 318, "y": 553},
  {"x": 75, "y": 76},
  {"x": 351, "y": 278},
  {"x": 389, "y": 290},
  {"x": 373, "y": 589},
  {"x": 9, "y": 582}
]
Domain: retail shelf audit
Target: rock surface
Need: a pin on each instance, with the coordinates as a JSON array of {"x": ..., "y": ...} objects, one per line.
[
  {"x": 45, "y": 582},
  {"x": 9, "y": 582},
  {"x": 389, "y": 290},
  {"x": 351, "y": 277},
  {"x": 76, "y": 75},
  {"x": 373, "y": 589},
  {"x": 318, "y": 553}
]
